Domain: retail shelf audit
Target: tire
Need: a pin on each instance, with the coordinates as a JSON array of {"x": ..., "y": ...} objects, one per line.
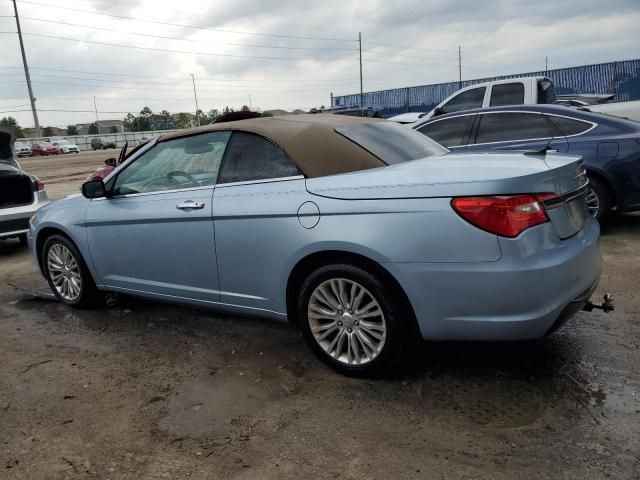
[
  {"x": 375, "y": 356},
  {"x": 23, "y": 239},
  {"x": 65, "y": 253},
  {"x": 599, "y": 200}
]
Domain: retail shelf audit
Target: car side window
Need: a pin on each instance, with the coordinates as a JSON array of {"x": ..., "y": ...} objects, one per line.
[
  {"x": 252, "y": 157},
  {"x": 465, "y": 101},
  {"x": 505, "y": 127},
  {"x": 507, "y": 94},
  {"x": 570, "y": 126},
  {"x": 186, "y": 162},
  {"x": 449, "y": 132}
]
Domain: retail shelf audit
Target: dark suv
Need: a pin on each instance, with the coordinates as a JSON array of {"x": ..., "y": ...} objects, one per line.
[{"x": 99, "y": 144}]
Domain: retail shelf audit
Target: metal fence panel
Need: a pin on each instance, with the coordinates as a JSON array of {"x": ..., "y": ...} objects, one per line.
[{"x": 621, "y": 78}]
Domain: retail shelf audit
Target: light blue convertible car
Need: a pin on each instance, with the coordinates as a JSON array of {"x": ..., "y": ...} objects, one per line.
[{"x": 362, "y": 232}]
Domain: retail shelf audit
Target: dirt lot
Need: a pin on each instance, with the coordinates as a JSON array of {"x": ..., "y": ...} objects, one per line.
[{"x": 146, "y": 390}]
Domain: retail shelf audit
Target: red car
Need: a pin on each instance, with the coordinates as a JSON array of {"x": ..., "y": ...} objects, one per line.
[
  {"x": 44, "y": 149},
  {"x": 111, "y": 163}
]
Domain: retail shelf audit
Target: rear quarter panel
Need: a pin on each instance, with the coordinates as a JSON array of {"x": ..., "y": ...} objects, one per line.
[{"x": 260, "y": 238}]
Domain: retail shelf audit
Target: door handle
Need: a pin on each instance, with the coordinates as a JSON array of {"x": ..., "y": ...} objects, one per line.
[
  {"x": 190, "y": 205},
  {"x": 552, "y": 151}
]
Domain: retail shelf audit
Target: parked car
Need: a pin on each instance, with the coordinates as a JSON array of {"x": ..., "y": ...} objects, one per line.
[
  {"x": 362, "y": 232},
  {"x": 22, "y": 149},
  {"x": 608, "y": 145},
  {"x": 66, "y": 147},
  {"x": 44, "y": 148},
  {"x": 99, "y": 144},
  {"x": 111, "y": 163},
  {"x": 528, "y": 91},
  {"x": 407, "y": 118},
  {"x": 21, "y": 194}
]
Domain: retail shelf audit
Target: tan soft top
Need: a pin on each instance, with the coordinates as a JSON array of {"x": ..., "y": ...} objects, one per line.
[{"x": 310, "y": 140}]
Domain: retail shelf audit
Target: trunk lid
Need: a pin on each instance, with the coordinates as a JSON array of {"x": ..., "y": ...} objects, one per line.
[{"x": 477, "y": 174}]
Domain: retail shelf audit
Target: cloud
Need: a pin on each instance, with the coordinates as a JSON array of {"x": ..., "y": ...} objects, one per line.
[{"x": 497, "y": 37}]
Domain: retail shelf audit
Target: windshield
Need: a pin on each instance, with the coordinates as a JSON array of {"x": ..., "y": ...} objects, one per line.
[{"x": 391, "y": 142}]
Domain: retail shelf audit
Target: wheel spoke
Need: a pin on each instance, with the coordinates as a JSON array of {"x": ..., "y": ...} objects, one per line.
[
  {"x": 347, "y": 321},
  {"x": 64, "y": 272}
]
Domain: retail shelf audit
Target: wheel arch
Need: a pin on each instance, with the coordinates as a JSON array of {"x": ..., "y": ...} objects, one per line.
[
  {"x": 42, "y": 236},
  {"x": 607, "y": 182},
  {"x": 312, "y": 261}
]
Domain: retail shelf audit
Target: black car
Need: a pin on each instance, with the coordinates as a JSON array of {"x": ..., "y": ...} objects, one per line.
[
  {"x": 99, "y": 144},
  {"x": 609, "y": 145}
]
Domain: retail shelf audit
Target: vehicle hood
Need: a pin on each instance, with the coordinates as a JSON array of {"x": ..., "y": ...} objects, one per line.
[
  {"x": 490, "y": 173},
  {"x": 70, "y": 201}
]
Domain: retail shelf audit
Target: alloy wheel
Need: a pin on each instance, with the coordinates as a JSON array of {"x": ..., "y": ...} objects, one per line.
[
  {"x": 64, "y": 272},
  {"x": 593, "y": 202},
  {"x": 347, "y": 321}
]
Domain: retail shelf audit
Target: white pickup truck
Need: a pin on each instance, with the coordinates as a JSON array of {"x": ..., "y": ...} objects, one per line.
[{"x": 522, "y": 91}]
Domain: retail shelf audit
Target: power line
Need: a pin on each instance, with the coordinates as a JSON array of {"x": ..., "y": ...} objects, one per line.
[
  {"x": 92, "y": 27},
  {"x": 233, "y": 80},
  {"x": 123, "y": 17},
  {"x": 406, "y": 64},
  {"x": 209, "y": 54},
  {"x": 409, "y": 48},
  {"x": 131, "y": 82}
]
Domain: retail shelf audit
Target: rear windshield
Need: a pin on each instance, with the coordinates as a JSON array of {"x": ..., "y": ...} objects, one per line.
[{"x": 391, "y": 142}]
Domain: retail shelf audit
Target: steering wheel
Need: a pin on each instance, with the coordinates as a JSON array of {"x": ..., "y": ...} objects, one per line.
[{"x": 179, "y": 173}]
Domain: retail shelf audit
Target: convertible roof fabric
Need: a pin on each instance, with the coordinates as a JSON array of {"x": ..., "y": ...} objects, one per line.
[{"x": 310, "y": 140}]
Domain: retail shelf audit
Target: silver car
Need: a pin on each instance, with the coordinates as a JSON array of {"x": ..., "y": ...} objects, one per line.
[
  {"x": 21, "y": 194},
  {"x": 363, "y": 233}
]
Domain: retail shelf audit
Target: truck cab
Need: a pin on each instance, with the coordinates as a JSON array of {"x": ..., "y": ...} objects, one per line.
[{"x": 513, "y": 91}]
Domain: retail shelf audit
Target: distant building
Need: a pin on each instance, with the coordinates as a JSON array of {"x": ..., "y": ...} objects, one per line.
[{"x": 104, "y": 126}]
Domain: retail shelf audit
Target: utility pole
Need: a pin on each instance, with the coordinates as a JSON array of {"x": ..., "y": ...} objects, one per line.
[
  {"x": 26, "y": 73},
  {"x": 459, "y": 67},
  {"x": 96, "y": 109},
  {"x": 195, "y": 95},
  {"x": 361, "y": 96},
  {"x": 546, "y": 65},
  {"x": 250, "y": 106},
  {"x": 331, "y": 101}
]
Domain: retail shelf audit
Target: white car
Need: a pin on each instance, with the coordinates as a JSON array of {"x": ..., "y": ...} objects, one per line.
[
  {"x": 67, "y": 147},
  {"x": 22, "y": 149},
  {"x": 21, "y": 194}
]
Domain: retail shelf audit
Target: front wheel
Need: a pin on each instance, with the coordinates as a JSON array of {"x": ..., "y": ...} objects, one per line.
[
  {"x": 350, "y": 320},
  {"x": 67, "y": 274}
]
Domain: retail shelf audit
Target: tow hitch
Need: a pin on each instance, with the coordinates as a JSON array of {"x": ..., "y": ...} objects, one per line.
[{"x": 606, "y": 306}]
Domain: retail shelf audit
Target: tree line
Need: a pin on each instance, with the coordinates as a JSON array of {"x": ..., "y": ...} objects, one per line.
[{"x": 144, "y": 121}]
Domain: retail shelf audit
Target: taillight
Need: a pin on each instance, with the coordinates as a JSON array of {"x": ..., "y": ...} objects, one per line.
[
  {"x": 504, "y": 215},
  {"x": 38, "y": 185}
]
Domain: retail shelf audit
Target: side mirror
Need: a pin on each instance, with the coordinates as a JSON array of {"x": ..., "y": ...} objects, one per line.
[
  {"x": 438, "y": 111},
  {"x": 94, "y": 189},
  {"x": 110, "y": 162}
]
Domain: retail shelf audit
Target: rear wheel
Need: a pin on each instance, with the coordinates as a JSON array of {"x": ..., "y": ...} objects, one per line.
[
  {"x": 67, "y": 274},
  {"x": 350, "y": 320},
  {"x": 599, "y": 200}
]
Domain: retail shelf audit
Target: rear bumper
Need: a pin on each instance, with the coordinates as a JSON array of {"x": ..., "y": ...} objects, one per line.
[
  {"x": 538, "y": 280},
  {"x": 14, "y": 221}
]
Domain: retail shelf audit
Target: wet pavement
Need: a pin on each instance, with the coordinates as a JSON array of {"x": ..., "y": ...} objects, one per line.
[{"x": 146, "y": 390}]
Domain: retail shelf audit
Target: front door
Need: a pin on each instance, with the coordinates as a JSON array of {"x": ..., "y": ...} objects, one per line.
[{"x": 155, "y": 234}]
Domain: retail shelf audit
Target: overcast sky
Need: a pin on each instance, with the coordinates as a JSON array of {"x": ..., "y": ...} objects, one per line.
[{"x": 233, "y": 57}]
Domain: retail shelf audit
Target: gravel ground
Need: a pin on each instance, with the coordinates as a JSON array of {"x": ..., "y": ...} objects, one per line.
[{"x": 146, "y": 390}]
